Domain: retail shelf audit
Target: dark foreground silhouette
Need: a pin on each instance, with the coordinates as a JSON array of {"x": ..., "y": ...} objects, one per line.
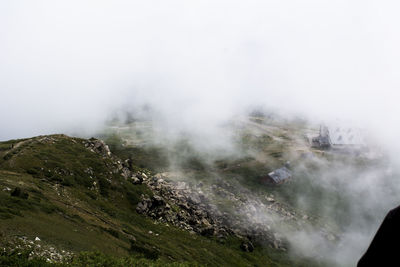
[{"x": 385, "y": 248}]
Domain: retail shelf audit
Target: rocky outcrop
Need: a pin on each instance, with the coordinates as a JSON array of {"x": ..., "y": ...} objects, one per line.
[
  {"x": 124, "y": 168},
  {"x": 98, "y": 146},
  {"x": 196, "y": 209},
  {"x": 218, "y": 209},
  {"x": 177, "y": 204}
]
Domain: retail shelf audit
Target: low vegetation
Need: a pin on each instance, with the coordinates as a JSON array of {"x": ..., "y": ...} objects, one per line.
[{"x": 73, "y": 199}]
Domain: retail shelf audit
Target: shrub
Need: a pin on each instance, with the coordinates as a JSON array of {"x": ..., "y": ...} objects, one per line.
[
  {"x": 104, "y": 186},
  {"x": 18, "y": 192},
  {"x": 148, "y": 253},
  {"x": 21, "y": 258},
  {"x": 32, "y": 171},
  {"x": 7, "y": 156},
  {"x": 112, "y": 232},
  {"x": 68, "y": 181}
]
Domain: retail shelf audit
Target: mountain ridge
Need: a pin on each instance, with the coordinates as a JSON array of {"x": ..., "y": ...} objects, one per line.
[{"x": 81, "y": 197}]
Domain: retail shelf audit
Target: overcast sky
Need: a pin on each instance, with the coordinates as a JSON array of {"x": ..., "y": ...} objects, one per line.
[{"x": 68, "y": 64}]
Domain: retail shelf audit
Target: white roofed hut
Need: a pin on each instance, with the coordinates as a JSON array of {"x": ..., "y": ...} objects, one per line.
[
  {"x": 345, "y": 139},
  {"x": 343, "y": 136}
]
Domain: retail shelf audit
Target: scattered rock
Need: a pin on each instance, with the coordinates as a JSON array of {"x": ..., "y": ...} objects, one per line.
[
  {"x": 136, "y": 180},
  {"x": 247, "y": 246},
  {"x": 98, "y": 146},
  {"x": 331, "y": 237},
  {"x": 142, "y": 207},
  {"x": 197, "y": 211},
  {"x": 20, "y": 244},
  {"x": 270, "y": 199},
  {"x": 207, "y": 231}
]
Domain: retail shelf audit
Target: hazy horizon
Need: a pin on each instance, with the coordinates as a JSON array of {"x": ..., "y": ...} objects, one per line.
[{"x": 71, "y": 64}]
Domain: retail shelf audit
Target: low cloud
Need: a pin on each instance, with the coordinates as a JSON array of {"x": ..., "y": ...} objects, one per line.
[{"x": 68, "y": 67}]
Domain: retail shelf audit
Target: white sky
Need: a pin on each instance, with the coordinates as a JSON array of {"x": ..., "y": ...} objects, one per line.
[{"x": 67, "y": 64}]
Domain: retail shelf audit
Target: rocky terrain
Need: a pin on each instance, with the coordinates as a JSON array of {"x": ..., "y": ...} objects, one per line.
[
  {"x": 192, "y": 208},
  {"x": 36, "y": 250},
  {"x": 61, "y": 196},
  {"x": 195, "y": 209}
]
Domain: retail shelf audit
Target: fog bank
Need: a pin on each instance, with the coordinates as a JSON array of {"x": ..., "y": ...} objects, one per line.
[{"x": 70, "y": 66}]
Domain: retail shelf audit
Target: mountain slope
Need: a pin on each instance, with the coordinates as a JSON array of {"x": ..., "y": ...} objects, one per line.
[{"x": 75, "y": 195}]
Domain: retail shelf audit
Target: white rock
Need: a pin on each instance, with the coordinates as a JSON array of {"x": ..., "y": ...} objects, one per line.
[
  {"x": 331, "y": 237},
  {"x": 37, "y": 239}
]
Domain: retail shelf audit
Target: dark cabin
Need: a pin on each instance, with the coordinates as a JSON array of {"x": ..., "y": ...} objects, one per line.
[{"x": 278, "y": 176}]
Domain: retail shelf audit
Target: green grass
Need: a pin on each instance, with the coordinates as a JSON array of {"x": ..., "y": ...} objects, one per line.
[
  {"x": 21, "y": 258},
  {"x": 65, "y": 212}
]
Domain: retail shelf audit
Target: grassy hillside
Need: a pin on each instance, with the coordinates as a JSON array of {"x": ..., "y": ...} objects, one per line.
[{"x": 75, "y": 199}]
